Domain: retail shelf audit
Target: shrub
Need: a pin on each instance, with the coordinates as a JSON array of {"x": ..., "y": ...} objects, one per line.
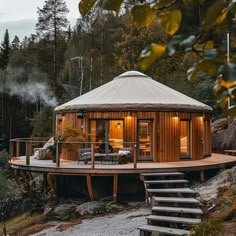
[
  {"x": 208, "y": 228},
  {"x": 4, "y": 162}
]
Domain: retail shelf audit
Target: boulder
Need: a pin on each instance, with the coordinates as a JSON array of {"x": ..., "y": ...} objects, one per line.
[
  {"x": 88, "y": 208},
  {"x": 62, "y": 210},
  {"x": 209, "y": 191},
  {"x": 224, "y": 136}
]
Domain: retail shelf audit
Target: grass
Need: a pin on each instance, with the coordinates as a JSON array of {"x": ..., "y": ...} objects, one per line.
[{"x": 18, "y": 225}]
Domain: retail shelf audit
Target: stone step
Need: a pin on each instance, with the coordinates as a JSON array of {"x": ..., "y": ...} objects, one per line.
[
  {"x": 164, "y": 230},
  {"x": 178, "y": 210},
  {"x": 175, "y": 181},
  {"x": 176, "y": 200},
  {"x": 170, "y": 190},
  {"x": 162, "y": 174},
  {"x": 190, "y": 221}
]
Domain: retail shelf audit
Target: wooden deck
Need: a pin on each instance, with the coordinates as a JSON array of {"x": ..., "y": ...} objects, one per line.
[{"x": 216, "y": 161}]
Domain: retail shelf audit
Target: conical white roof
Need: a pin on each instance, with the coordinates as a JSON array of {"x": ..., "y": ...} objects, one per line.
[{"x": 133, "y": 91}]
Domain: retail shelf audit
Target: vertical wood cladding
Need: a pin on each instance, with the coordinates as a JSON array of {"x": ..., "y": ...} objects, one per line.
[
  {"x": 166, "y": 132},
  {"x": 169, "y": 148},
  {"x": 197, "y": 137}
]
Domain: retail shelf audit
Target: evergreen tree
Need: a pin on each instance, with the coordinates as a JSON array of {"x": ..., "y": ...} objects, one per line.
[
  {"x": 4, "y": 51},
  {"x": 15, "y": 44},
  {"x": 69, "y": 33},
  {"x": 51, "y": 21}
]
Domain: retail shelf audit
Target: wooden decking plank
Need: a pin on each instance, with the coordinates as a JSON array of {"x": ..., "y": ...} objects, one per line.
[
  {"x": 162, "y": 174},
  {"x": 166, "y": 181},
  {"x": 183, "y": 220},
  {"x": 178, "y": 209},
  {"x": 165, "y": 230},
  {"x": 171, "y": 190},
  {"x": 176, "y": 199}
]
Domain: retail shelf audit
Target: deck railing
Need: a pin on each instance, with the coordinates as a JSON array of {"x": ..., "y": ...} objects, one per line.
[{"x": 26, "y": 147}]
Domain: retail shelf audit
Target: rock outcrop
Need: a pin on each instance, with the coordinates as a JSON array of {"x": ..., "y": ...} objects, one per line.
[{"x": 223, "y": 135}]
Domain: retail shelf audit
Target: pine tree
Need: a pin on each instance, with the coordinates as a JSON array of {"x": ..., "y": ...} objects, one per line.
[
  {"x": 4, "y": 51},
  {"x": 15, "y": 44},
  {"x": 51, "y": 21}
]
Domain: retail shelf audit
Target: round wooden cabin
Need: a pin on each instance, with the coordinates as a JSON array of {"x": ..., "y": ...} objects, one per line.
[{"x": 133, "y": 110}]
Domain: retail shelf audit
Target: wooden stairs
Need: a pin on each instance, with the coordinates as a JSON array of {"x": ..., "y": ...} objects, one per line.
[{"x": 174, "y": 208}]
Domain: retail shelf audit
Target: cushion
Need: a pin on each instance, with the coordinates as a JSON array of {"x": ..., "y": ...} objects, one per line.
[
  {"x": 125, "y": 152},
  {"x": 85, "y": 155}
]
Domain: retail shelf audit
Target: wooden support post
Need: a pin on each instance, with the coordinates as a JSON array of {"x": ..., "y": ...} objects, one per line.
[
  {"x": 90, "y": 187},
  {"x": 115, "y": 187},
  {"x": 27, "y": 147},
  {"x": 11, "y": 150},
  {"x": 17, "y": 148},
  {"x": 57, "y": 155},
  {"x": 92, "y": 157},
  {"x": 52, "y": 186},
  {"x": 135, "y": 156},
  {"x": 202, "y": 177},
  {"x": 30, "y": 148}
]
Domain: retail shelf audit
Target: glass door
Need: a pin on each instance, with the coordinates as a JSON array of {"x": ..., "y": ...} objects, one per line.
[
  {"x": 107, "y": 135},
  {"x": 184, "y": 139},
  {"x": 145, "y": 139}
]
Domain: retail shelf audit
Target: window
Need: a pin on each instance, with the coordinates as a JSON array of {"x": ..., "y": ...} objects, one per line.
[
  {"x": 107, "y": 131},
  {"x": 185, "y": 138},
  {"x": 145, "y": 139}
]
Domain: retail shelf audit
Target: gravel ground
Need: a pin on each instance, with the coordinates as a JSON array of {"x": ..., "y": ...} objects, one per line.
[{"x": 123, "y": 223}]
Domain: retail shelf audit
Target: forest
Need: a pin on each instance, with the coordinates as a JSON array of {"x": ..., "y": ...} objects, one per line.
[{"x": 60, "y": 62}]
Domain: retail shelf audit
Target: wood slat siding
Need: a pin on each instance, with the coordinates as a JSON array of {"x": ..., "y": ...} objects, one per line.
[
  {"x": 166, "y": 132},
  {"x": 168, "y": 137},
  {"x": 207, "y": 137},
  {"x": 197, "y": 136}
]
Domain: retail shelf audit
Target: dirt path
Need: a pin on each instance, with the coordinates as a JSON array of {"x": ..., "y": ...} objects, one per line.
[{"x": 124, "y": 223}]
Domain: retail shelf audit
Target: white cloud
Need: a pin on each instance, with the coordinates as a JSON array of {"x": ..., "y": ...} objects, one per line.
[{"x": 21, "y": 28}]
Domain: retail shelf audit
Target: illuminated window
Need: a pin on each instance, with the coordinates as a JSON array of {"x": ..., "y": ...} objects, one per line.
[
  {"x": 185, "y": 138},
  {"x": 107, "y": 131},
  {"x": 145, "y": 139}
]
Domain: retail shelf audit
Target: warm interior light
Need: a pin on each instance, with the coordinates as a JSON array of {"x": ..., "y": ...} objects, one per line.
[
  {"x": 118, "y": 125},
  {"x": 176, "y": 114},
  {"x": 129, "y": 115}
]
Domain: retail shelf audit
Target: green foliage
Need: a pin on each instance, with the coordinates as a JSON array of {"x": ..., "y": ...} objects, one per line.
[
  {"x": 171, "y": 21},
  {"x": 86, "y": 6},
  {"x": 4, "y": 163},
  {"x": 151, "y": 54},
  {"x": 209, "y": 227},
  {"x": 217, "y": 17},
  {"x": 41, "y": 196},
  {"x": 143, "y": 15},
  {"x": 226, "y": 203},
  {"x": 106, "y": 208},
  {"x": 4, "y": 159},
  {"x": 8, "y": 187},
  {"x": 15, "y": 44},
  {"x": 110, "y": 5},
  {"x": 42, "y": 123},
  {"x": 4, "y": 51},
  {"x": 52, "y": 17}
]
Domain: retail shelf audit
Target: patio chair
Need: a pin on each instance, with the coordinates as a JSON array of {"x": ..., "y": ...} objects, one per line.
[{"x": 84, "y": 155}]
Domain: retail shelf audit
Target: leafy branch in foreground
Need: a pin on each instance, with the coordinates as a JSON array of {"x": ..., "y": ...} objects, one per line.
[{"x": 205, "y": 39}]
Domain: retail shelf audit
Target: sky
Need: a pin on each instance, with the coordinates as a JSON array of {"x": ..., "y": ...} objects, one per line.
[{"x": 20, "y": 16}]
